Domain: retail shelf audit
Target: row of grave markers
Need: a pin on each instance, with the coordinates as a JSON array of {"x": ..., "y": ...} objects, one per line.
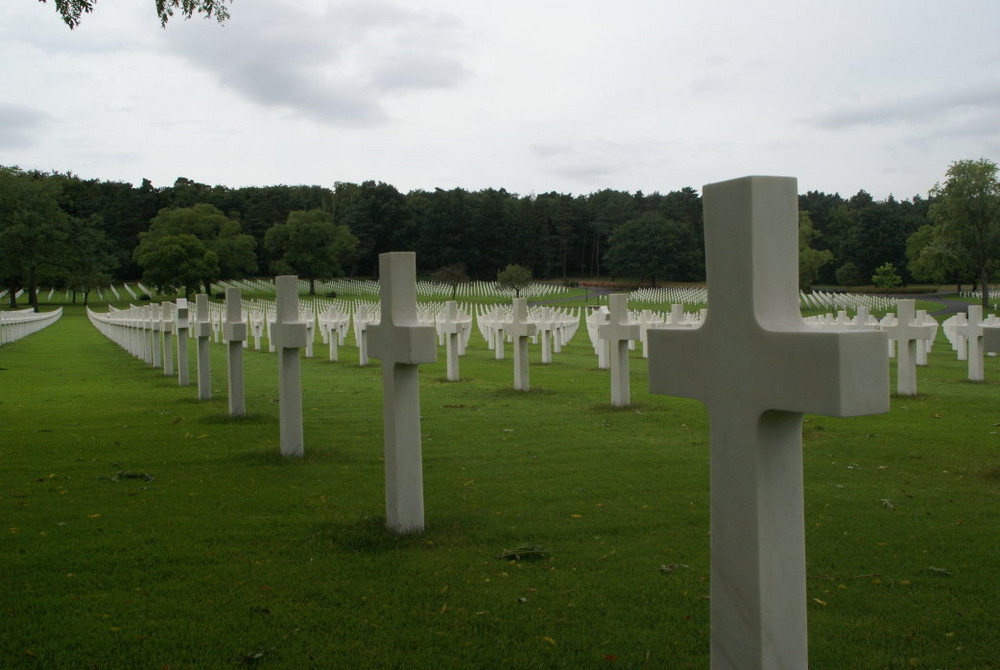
[
  {"x": 752, "y": 360},
  {"x": 18, "y": 324}
]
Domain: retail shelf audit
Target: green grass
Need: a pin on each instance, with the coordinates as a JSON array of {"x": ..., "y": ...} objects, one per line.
[{"x": 144, "y": 529}]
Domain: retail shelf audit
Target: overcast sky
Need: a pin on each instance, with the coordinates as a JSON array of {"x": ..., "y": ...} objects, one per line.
[{"x": 531, "y": 96}]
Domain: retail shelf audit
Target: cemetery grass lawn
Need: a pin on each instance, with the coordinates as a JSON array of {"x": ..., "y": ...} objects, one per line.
[{"x": 145, "y": 529}]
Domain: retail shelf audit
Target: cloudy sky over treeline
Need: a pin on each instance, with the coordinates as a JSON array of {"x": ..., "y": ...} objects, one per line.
[{"x": 539, "y": 96}]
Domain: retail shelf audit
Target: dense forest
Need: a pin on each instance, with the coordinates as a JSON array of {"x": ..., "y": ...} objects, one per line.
[{"x": 638, "y": 236}]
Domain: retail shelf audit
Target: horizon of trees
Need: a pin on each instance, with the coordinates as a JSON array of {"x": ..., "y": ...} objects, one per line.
[{"x": 646, "y": 237}]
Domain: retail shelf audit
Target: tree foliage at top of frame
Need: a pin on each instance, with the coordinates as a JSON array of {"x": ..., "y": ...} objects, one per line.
[{"x": 71, "y": 11}]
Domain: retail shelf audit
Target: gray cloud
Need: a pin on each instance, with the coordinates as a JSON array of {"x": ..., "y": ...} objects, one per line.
[
  {"x": 964, "y": 112},
  {"x": 19, "y": 125},
  {"x": 335, "y": 67}
]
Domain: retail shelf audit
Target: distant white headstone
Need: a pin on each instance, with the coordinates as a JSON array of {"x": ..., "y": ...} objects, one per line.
[
  {"x": 451, "y": 329},
  {"x": 182, "y": 325},
  {"x": 972, "y": 331},
  {"x": 905, "y": 334},
  {"x": 203, "y": 333},
  {"x": 520, "y": 329},
  {"x": 617, "y": 333},
  {"x": 234, "y": 330},
  {"x": 758, "y": 367},
  {"x": 167, "y": 325},
  {"x": 289, "y": 336}
]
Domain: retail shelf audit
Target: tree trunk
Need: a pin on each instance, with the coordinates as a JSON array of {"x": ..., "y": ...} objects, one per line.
[
  {"x": 312, "y": 286},
  {"x": 984, "y": 280}
]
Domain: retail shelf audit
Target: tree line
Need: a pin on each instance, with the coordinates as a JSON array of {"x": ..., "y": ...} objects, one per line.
[{"x": 65, "y": 231}]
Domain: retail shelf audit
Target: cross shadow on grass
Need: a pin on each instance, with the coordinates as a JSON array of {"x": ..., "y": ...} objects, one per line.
[
  {"x": 272, "y": 457},
  {"x": 367, "y": 535},
  {"x": 251, "y": 419}
]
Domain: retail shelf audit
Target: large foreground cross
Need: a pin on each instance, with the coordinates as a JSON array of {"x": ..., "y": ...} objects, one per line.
[
  {"x": 401, "y": 343},
  {"x": 758, "y": 367}
]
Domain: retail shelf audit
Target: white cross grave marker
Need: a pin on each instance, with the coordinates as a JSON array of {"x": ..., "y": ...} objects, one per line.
[
  {"x": 972, "y": 330},
  {"x": 167, "y": 310},
  {"x": 156, "y": 326},
  {"x": 617, "y": 333},
  {"x": 758, "y": 367},
  {"x": 289, "y": 335},
  {"x": 451, "y": 330},
  {"x": 991, "y": 337},
  {"x": 181, "y": 326},
  {"x": 203, "y": 331},
  {"x": 520, "y": 329},
  {"x": 905, "y": 333},
  {"x": 401, "y": 344},
  {"x": 234, "y": 330}
]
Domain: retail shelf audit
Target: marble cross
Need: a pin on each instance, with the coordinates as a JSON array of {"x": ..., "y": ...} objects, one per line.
[
  {"x": 520, "y": 329},
  {"x": 288, "y": 334},
  {"x": 156, "y": 325},
  {"x": 182, "y": 325},
  {"x": 203, "y": 333},
  {"x": 618, "y": 332},
  {"x": 167, "y": 312},
  {"x": 234, "y": 331},
  {"x": 401, "y": 344},
  {"x": 452, "y": 331},
  {"x": 905, "y": 333},
  {"x": 758, "y": 367},
  {"x": 972, "y": 331}
]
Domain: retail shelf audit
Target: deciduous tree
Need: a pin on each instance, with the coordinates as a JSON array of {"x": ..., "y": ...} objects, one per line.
[
  {"x": 221, "y": 252},
  {"x": 968, "y": 212},
  {"x": 652, "y": 247},
  {"x": 514, "y": 277},
  {"x": 71, "y": 11},
  {"x": 311, "y": 246},
  {"x": 33, "y": 230}
]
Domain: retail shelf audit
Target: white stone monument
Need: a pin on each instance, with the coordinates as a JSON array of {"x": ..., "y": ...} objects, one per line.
[
  {"x": 401, "y": 344},
  {"x": 167, "y": 311},
  {"x": 520, "y": 329},
  {"x": 972, "y": 332},
  {"x": 451, "y": 329},
  {"x": 546, "y": 328},
  {"x": 156, "y": 326},
  {"x": 905, "y": 333},
  {"x": 758, "y": 367},
  {"x": 203, "y": 333},
  {"x": 234, "y": 330},
  {"x": 289, "y": 336},
  {"x": 618, "y": 332},
  {"x": 991, "y": 337},
  {"x": 182, "y": 324}
]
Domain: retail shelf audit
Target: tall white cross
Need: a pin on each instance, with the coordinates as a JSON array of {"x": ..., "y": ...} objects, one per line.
[
  {"x": 182, "y": 324},
  {"x": 972, "y": 330},
  {"x": 167, "y": 312},
  {"x": 991, "y": 337},
  {"x": 401, "y": 344},
  {"x": 234, "y": 330},
  {"x": 905, "y": 333},
  {"x": 758, "y": 367},
  {"x": 546, "y": 328},
  {"x": 288, "y": 335},
  {"x": 617, "y": 333},
  {"x": 156, "y": 324},
  {"x": 452, "y": 332},
  {"x": 203, "y": 333},
  {"x": 520, "y": 329}
]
